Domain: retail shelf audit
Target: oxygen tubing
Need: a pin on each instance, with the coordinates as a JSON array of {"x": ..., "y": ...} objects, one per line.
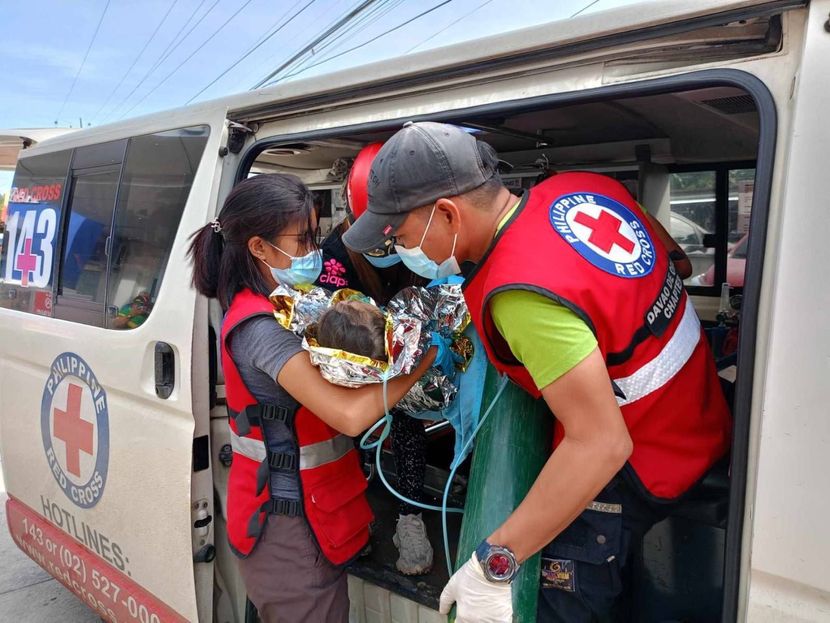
[{"x": 377, "y": 445}]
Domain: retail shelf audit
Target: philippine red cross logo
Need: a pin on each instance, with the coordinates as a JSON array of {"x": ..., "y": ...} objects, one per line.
[
  {"x": 75, "y": 429},
  {"x": 604, "y": 232},
  {"x": 75, "y": 432}
]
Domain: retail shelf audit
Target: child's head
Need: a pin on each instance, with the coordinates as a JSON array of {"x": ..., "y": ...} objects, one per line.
[{"x": 355, "y": 327}]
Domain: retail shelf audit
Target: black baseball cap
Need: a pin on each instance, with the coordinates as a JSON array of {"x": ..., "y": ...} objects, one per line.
[{"x": 420, "y": 164}]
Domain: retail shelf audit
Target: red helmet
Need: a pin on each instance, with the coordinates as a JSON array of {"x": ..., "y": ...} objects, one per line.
[{"x": 357, "y": 185}]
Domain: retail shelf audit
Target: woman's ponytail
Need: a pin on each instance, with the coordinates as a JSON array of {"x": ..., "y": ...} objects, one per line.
[{"x": 205, "y": 252}]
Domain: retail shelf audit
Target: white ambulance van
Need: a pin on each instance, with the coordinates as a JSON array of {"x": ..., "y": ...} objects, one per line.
[{"x": 113, "y": 433}]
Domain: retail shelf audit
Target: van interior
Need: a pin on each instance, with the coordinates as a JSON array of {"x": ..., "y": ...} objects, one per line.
[{"x": 687, "y": 156}]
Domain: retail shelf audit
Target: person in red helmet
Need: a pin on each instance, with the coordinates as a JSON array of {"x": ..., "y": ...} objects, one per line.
[{"x": 381, "y": 274}]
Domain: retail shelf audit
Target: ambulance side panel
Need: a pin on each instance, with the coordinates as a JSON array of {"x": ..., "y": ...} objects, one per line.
[{"x": 98, "y": 423}]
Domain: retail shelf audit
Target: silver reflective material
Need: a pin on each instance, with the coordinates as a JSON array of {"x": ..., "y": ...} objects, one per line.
[
  {"x": 254, "y": 449},
  {"x": 660, "y": 370},
  {"x": 412, "y": 316},
  {"x": 323, "y": 452}
]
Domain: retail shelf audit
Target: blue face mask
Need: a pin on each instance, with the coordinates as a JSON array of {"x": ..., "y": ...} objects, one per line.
[
  {"x": 384, "y": 261},
  {"x": 419, "y": 263},
  {"x": 303, "y": 269}
]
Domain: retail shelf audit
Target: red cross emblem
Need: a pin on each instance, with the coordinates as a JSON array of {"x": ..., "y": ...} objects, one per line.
[
  {"x": 26, "y": 262},
  {"x": 605, "y": 231},
  {"x": 73, "y": 430}
]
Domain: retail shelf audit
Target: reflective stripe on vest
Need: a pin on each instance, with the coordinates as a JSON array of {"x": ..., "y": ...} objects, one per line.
[
  {"x": 311, "y": 456},
  {"x": 660, "y": 370},
  {"x": 317, "y": 454},
  {"x": 247, "y": 446}
]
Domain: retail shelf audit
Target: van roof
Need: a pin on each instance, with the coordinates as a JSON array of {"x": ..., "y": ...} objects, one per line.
[{"x": 640, "y": 21}]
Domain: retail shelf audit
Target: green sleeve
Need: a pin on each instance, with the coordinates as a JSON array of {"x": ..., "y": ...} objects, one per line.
[{"x": 548, "y": 338}]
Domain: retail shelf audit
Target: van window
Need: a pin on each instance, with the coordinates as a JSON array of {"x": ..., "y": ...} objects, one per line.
[
  {"x": 82, "y": 283},
  {"x": 710, "y": 212},
  {"x": 158, "y": 173},
  {"x": 29, "y": 246},
  {"x": 693, "y": 217},
  {"x": 125, "y": 201},
  {"x": 84, "y": 266}
]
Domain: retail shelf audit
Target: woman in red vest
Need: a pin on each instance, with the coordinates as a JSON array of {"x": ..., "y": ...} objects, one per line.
[{"x": 296, "y": 506}]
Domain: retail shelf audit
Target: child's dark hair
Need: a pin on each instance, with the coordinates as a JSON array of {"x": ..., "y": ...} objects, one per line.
[
  {"x": 263, "y": 206},
  {"x": 357, "y": 328}
]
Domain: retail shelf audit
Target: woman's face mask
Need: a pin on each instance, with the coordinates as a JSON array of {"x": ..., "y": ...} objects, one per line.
[
  {"x": 419, "y": 263},
  {"x": 303, "y": 269}
]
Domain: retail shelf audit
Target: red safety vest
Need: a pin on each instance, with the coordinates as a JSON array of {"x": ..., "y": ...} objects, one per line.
[
  {"x": 332, "y": 482},
  {"x": 580, "y": 239}
]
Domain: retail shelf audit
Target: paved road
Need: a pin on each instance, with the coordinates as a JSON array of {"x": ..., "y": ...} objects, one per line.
[{"x": 27, "y": 593}]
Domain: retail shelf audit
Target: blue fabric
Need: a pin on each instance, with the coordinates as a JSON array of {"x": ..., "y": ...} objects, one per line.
[
  {"x": 464, "y": 411},
  {"x": 445, "y": 359}
]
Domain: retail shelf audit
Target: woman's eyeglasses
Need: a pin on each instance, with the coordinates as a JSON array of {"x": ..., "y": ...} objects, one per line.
[{"x": 315, "y": 236}]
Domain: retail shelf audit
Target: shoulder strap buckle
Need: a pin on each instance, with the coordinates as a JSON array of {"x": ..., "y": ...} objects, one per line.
[
  {"x": 282, "y": 461},
  {"x": 276, "y": 412}
]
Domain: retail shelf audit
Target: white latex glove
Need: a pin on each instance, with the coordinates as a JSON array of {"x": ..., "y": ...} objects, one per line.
[{"x": 478, "y": 599}]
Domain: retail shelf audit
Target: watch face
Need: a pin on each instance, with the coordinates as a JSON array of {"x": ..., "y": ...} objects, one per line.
[{"x": 499, "y": 565}]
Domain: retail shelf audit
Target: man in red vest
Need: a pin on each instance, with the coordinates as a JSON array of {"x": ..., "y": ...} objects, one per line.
[{"x": 576, "y": 297}]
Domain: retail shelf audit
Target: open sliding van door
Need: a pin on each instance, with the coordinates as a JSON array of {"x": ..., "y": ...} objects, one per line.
[{"x": 104, "y": 413}]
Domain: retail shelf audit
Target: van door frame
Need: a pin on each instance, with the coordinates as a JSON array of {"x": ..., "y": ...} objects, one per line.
[{"x": 767, "y": 136}]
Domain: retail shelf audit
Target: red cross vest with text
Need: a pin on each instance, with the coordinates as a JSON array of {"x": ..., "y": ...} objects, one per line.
[
  {"x": 332, "y": 482},
  {"x": 581, "y": 240}
]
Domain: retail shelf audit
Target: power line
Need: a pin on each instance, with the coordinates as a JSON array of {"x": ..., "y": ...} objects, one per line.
[
  {"x": 175, "y": 42},
  {"x": 318, "y": 37},
  {"x": 356, "y": 11},
  {"x": 192, "y": 54},
  {"x": 167, "y": 52},
  {"x": 136, "y": 59},
  {"x": 585, "y": 8},
  {"x": 83, "y": 62},
  {"x": 353, "y": 29},
  {"x": 285, "y": 43},
  {"x": 257, "y": 46},
  {"x": 365, "y": 43},
  {"x": 448, "y": 26}
]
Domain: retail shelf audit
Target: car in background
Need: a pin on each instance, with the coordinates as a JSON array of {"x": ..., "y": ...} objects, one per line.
[
  {"x": 735, "y": 267},
  {"x": 691, "y": 237}
]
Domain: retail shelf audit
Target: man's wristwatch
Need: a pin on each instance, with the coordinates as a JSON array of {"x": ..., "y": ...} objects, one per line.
[{"x": 497, "y": 562}]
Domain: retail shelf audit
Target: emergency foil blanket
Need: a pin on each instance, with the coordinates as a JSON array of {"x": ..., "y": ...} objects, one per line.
[{"x": 411, "y": 317}]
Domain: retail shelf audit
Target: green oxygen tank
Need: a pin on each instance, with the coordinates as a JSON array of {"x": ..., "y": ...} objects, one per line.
[{"x": 510, "y": 451}]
